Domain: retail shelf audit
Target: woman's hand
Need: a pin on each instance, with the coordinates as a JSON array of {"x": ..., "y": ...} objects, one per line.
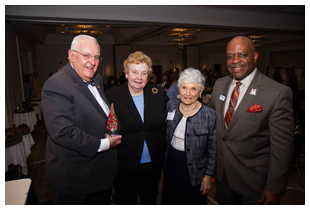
[{"x": 205, "y": 184}]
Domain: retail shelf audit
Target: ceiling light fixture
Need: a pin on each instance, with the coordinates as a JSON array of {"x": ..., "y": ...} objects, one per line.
[
  {"x": 258, "y": 36},
  {"x": 181, "y": 35}
]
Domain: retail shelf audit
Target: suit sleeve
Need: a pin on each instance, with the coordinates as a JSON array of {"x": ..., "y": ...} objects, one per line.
[
  {"x": 211, "y": 150},
  {"x": 58, "y": 109},
  {"x": 281, "y": 128},
  {"x": 211, "y": 101},
  {"x": 164, "y": 128}
]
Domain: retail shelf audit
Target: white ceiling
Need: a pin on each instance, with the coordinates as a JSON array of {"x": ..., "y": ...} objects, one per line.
[{"x": 125, "y": 25}]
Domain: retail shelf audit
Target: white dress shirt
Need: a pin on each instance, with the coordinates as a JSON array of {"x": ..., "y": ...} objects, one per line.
[
  {"x": 242, "y": 90},
  {"x": 105, "y": 143}
]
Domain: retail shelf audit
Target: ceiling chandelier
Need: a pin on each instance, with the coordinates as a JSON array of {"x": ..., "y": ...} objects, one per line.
[
  {"x": 181, "y": 36},
  {"x": 257, "y": 39},
  {"x": 83, "y": 29}
]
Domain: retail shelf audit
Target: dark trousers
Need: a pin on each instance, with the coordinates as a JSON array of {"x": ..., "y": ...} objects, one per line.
[
  {"x": 177, "y": 188},
  {"x": 142, "y": 181},
  {"x": 100, "y": 198},
  {"x": 226, "y": 196}
]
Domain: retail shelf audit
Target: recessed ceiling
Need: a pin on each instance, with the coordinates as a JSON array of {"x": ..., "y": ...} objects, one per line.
[{"x": 127, "y": 33}]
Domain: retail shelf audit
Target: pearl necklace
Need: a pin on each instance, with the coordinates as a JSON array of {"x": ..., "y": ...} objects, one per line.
[{"x": 190, "y": 109}]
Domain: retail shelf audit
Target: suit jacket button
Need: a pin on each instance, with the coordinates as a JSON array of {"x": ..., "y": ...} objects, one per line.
[
  {"x": 224, "y": 138},
  {"x": 187, "y": 134},
  {"x": 190, "y": 164},
  {"x": 221, "y": 153},
  {"x": 188, "y": 149}
]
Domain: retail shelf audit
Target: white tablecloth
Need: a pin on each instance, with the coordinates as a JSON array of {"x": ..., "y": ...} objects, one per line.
[
  {"x": 18, "y": 153},
  {"x": 37, "y": 102},
  {"x": 16, "y": 191},
  {"x": 37, "y": 111},
  {"x": 28, "y": 118}
]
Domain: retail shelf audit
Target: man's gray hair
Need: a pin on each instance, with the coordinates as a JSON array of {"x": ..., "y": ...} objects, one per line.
[
  {"x": 192, "y": 75},
  {"x": 76, "y": 40}
]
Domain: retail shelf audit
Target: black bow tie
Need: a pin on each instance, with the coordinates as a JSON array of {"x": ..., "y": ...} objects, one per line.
[{"x": 91, "y": 82}]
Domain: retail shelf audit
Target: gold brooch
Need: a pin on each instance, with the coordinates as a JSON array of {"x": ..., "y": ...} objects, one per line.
[
  {"x": 154, "y": 90},
  {"x": 98, "y": 87}
]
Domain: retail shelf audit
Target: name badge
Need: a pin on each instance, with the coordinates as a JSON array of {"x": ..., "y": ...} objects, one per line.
[
  {"x": 222, "y": 98},
  {"x": 253, "y": 92},
  {"x": 170, "y": 115}
]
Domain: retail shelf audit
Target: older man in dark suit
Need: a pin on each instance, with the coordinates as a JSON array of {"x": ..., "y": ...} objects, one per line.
[
  {"x": 254, "y": 130},
  {"x": 80, "y": 159}
]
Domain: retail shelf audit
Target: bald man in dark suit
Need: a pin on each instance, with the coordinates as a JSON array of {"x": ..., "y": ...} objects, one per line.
[{"x": 254, "y": 130}]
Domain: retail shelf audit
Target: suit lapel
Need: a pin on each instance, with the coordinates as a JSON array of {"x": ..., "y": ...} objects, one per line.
[
  {"x": 129, "y": 101},
  {"x": 101, "y": 92},
  {"x": 79, "y": 85},
  {"x": 222, "y": 103},
  {"x": 149, "y": 101},
  {"x": 247, "y": 100}
]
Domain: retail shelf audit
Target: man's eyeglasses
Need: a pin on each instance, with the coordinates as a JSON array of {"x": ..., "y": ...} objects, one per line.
[{"x": 88, "y": 56}]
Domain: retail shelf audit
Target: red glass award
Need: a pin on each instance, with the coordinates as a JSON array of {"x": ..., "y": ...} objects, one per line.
[{"x": 113, "y": 126}]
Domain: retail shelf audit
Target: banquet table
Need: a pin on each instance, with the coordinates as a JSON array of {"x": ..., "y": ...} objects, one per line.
[
  {"x": 26, "y": 117},
  {"x": 37, "y": 110},
  {"x": 17, "y": 147},
  {"x": 36, "y": 102},
  {"x": 16, "y": 192}
]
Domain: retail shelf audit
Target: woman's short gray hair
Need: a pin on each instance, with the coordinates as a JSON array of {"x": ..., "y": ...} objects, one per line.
[{"x": 192, "y": 75}]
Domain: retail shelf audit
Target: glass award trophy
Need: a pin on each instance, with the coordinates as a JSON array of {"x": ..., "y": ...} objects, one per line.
[{"x": 113, "y": 126}]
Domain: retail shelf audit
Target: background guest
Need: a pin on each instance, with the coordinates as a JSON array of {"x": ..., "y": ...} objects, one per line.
[
  {"x": 165, "y": 83},
  {"x": 292, "y": 81},
  {"x": 141, "y": 111},
  {"x": 173, "y": 91},
  {"x": 277, "y": 76},
  {"x": 254, "y": 130},
  {"x": 80, "y": 161},
  {"x": 191, "y": 135},
  {"x": 153, "y": 79},
  {"x": 111, "y": 82},
  {"x": 122, "y": 78}
]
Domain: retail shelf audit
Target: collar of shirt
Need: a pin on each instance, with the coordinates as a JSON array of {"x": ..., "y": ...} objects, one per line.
[
  {"x": 246, "y": 81},
  {"x": 242, "y": 89},
  {"x": 71, "y": 65}
]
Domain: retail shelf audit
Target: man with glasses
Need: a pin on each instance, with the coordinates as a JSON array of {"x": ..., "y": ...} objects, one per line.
[{"x": 80, "y": 157}]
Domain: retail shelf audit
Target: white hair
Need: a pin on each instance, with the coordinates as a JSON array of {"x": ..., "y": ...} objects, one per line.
[
  {"x": 76, "y": 40},
  {"x": 192, "y": 75}
]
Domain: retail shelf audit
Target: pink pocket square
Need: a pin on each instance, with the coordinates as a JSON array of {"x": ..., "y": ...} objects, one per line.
[{"x": 255, "y": 108}]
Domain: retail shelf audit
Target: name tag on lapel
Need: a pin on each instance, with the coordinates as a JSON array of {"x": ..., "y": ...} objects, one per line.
[
  {"x": 170, "y": 115},
  {"x": 222, "y": 98}
]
